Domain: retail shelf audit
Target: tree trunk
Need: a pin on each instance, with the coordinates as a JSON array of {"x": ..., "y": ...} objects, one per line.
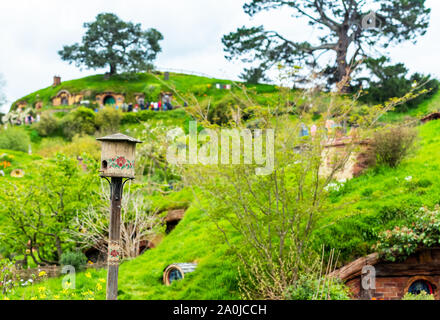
[
  {"x": 113, "y": 69},
  {"x": 58, "y": 246},
  {"x": 341, "y": 62}
]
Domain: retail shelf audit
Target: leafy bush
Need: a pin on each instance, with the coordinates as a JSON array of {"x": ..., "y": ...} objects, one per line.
[
  {"x": 146, "y": 115},
  {"x": 80, "y": 145},
  {"x": 108, "y": 120},
  {"x": 221, "y": 112},
  {"x": 421, "y": 296},
  {"x": 390, "y": 146},
  {"x": 47, "y": 125},
  {"x": 14, "y": 138},
  {"x": 80, "y": 121},
  {"x": 312, "y": 289},
  {"x": 423, "y": 230},
  {"x": 34, "y": 136},
  {"x": 77, "y": 259},
  {"x": 152, "y": 93},
  {"x": 83, "y": 145}
]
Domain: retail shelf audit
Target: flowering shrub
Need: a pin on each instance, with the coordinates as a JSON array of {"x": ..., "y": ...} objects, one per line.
[
  {"x": 8, "y": 276},
  {"x": 89, "y": 290},
  {"x": 399, "y": 243},
  {"x": 421, "y": 296}
]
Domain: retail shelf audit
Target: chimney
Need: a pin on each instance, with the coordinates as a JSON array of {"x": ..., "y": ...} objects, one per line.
[{"x": 56, "y": 81}]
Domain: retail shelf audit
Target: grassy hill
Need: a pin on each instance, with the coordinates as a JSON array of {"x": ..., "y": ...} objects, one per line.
[
  {"x": 151, "y": 84},
  {"x": 378, "y": 200},
  {"x": 383, "y": 198},
  {"x": 426, "y": 107}
]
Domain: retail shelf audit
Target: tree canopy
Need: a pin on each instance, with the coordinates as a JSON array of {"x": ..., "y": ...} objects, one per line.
[
  {"x": 349, "y": 29},
  {"x": 111, "y": 42}
]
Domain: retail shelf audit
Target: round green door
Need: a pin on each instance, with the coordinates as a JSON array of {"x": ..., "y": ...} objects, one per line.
[{"x": 109, "y": 100}]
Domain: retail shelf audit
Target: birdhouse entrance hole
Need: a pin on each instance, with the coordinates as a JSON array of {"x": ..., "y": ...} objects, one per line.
[{"x": 104, "y": 164}]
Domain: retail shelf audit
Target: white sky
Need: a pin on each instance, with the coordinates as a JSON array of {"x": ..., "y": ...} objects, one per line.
[{"x": 32, "y": 32}]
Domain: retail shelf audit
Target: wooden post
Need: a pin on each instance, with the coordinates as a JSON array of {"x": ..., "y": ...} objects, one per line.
[
  {"x": 117, "y": 162},
  {"x": 114, "y": 238}
]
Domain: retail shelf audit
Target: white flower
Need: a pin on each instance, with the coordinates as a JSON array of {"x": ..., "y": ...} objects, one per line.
[
  {"x": 409, "y": 178},
  {"x": 332, "y": 186},
  {"x": 176, "y": 132}
]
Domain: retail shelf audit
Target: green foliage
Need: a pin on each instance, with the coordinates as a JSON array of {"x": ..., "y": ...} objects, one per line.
[
  {"x": 80, "y": 121},
  {"x": 392, "y": 82},
  {"x": 382, "y": 199},
  {"x": 9, "y": 278},
  {"x": 38, "y": 211},
  {"x": 151, "y": 161},
  {"x": 80, "y": 146},
  {"x": 391, "y": 145},
  {"x": 254, "y": 75},
  {"x": 152, "y": 92},
  {"x": 195, "y": 238},
  {"x": 109, "y": 41},
  {"x": 421, "y": 296},
  {"x": 149, "y": 115},
  {"x": 47, "y": 125},
  {"x": 220, "y": 112},
  {"x": 422, "y": 230},
  {"x": 77, "y": 259},
  {"x": 307, "y": 288},
  {"x": 14, "y": 138},
  {"x": 108, "y": 120}
]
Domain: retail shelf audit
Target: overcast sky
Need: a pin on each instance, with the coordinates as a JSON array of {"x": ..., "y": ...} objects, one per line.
[{"x": 32, "y": 32}]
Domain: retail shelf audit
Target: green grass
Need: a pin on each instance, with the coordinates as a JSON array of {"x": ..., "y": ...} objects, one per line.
[
  {"x": 426, "y": 107},
  {"x": 195, "y": 239},
  {"x": 383, "y": 198},
  {"x": 17, "y": 160}
]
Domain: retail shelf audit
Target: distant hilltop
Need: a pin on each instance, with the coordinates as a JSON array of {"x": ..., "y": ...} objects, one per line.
[{"x": 99, "y": 90}]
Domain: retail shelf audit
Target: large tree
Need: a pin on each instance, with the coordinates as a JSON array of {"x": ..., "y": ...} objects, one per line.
[
  {"x": 111, "y": 42},
  {"x": 347, "y": 29}
]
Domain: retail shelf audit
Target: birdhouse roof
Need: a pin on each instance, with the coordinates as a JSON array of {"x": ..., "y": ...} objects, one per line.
[{"x": 119, "y": 137}]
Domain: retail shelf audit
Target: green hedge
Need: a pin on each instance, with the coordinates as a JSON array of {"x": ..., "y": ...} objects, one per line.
[{"x": 146, "y": 115}]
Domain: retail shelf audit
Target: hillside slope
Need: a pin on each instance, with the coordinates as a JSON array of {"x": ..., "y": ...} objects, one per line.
[
  {"x": 151, "y": 84},
  {"x": 383, "y": 198}
]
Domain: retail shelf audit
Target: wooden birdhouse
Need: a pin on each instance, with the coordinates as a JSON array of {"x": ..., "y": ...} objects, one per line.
[{"x": 118, "y": 156}]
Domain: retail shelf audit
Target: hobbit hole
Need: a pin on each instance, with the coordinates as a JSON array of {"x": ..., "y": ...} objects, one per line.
[
  {"x": 177, "y": 271},
  {"x": 419, "y": 272},
  {"x": 421, "y": 285},
  {"x": 109, "y": 100},
  {"x": 173, "y": 218}
]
